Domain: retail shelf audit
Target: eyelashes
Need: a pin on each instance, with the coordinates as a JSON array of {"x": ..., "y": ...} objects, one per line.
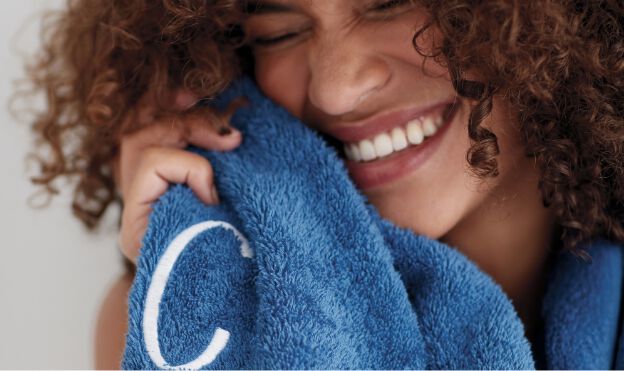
[
  {"x": 378, "y": 10},
  {"x": 389, "y": 5},
  {"x": 267, "y": 41}
]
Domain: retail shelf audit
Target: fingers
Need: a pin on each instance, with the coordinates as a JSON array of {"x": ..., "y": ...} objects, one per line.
[
  {"x": 205, "y": 129},
  {"x": 159, "y": 167},
  {"x": 168, "y": 133},
  {"x": 183, "y": 99},
  {"x": 146, "y": 109},
  {"x": 153, "y": 156}
]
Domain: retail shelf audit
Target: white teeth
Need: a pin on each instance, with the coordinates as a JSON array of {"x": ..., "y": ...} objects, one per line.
[
  {"x": 414, "y": 132},
  {"x": 347, "y": 151},
  {"x": 438, "y": 121},
  {"x": 383, "y": 145},
  {"x": 367, "y": 150},
  {"x": 428, "y": 127},
  {"x": 399, "y": 138},
  {"x": 355, "y": 152},
  {"x": 399, "y": 141}
]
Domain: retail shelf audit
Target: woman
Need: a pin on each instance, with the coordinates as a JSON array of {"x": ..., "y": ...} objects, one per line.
[{"x": 496, "y": 127}]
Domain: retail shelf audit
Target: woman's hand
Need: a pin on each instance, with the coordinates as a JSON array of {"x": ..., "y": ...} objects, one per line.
[{"x": 153, "y": 157}]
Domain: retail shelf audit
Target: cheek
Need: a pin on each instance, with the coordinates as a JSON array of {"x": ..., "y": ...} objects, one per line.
[
  {"x": 432, "y": 200},
  {"x": 284, "y": 79},
  {"x": 446, "y": 194}
]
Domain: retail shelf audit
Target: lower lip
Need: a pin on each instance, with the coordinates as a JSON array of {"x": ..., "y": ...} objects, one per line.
[{"x": 379, "y": 172}]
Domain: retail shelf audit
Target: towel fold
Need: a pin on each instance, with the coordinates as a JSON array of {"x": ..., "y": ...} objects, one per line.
[{"x": 293, "y": 269}]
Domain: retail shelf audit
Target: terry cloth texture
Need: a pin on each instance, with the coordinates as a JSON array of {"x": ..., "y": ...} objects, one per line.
[{"x": 293, "y": 269}]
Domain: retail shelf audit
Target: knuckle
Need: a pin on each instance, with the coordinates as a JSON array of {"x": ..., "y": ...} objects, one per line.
[
  {"x": 205, "y": 168},
  {"x": 199, "y": 170},
  {"x": 151, "y": 159},
  {"x": 169, "y": 132},
  {"x": 151, "y": 155}
]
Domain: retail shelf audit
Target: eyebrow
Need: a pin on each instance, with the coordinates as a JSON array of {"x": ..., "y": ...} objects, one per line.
[{"x": 266, "y": 7}]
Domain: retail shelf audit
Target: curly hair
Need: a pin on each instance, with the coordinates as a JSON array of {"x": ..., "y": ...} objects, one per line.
[
  {"x": 98, "y": 59},
  {"x": 559, "y": 63}
]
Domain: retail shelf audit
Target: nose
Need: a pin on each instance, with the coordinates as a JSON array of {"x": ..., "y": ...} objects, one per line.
[{"x": 343, "y": 73}]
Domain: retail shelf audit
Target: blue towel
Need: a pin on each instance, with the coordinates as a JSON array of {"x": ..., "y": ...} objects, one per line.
[{"x": 293, "y": 269}]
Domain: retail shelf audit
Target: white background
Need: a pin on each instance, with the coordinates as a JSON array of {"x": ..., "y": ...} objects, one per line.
[{"x": 53, "y": 273}]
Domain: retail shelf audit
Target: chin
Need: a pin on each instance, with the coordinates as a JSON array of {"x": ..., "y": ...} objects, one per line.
[{"x": 424, "y": 218}]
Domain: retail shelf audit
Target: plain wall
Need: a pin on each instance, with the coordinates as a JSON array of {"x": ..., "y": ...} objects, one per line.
[{"x": 53, "y": 274}]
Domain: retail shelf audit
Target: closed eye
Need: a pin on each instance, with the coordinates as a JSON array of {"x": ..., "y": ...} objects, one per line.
[
  {"x": 388, "y": 9},
  {"x": 389, "y": 5},
  {"x": 268, "y": 41}
]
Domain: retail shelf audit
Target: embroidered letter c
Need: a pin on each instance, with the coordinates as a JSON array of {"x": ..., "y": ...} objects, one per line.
[{"x": 157, "y": 289}]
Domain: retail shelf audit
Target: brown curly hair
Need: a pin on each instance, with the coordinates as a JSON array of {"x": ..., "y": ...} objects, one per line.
[
  {"x": 560, "y": 63},
  {"x": 98, "y": 59}
]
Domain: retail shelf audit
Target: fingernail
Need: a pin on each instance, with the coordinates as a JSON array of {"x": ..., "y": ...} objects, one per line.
[
  {"x": 215, "y": 195},
  {"x": 225, "y": 130}
]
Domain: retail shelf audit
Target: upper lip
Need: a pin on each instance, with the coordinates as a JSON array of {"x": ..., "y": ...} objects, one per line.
[{"x": 368, "y": 128}]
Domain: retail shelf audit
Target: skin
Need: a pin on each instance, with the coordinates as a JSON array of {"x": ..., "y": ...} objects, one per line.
[
  {"x": 342, "y": 62},
  {"x": 152, "y": 158},
  {"x": 342, "y": 69},
  {"x": 112, "y": 325}
]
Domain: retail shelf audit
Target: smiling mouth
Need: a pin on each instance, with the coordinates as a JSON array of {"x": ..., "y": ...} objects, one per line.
[{"x": 404, "y": 136}]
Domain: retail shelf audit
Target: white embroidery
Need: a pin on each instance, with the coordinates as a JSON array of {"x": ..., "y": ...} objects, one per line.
[{"x": 157, "y": 288}]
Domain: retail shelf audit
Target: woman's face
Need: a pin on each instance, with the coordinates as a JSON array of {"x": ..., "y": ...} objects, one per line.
[{"x": 348, "y": 69}]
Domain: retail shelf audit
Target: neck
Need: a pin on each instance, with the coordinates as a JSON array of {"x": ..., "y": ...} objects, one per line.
[{"x": 509, "y": 238}]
